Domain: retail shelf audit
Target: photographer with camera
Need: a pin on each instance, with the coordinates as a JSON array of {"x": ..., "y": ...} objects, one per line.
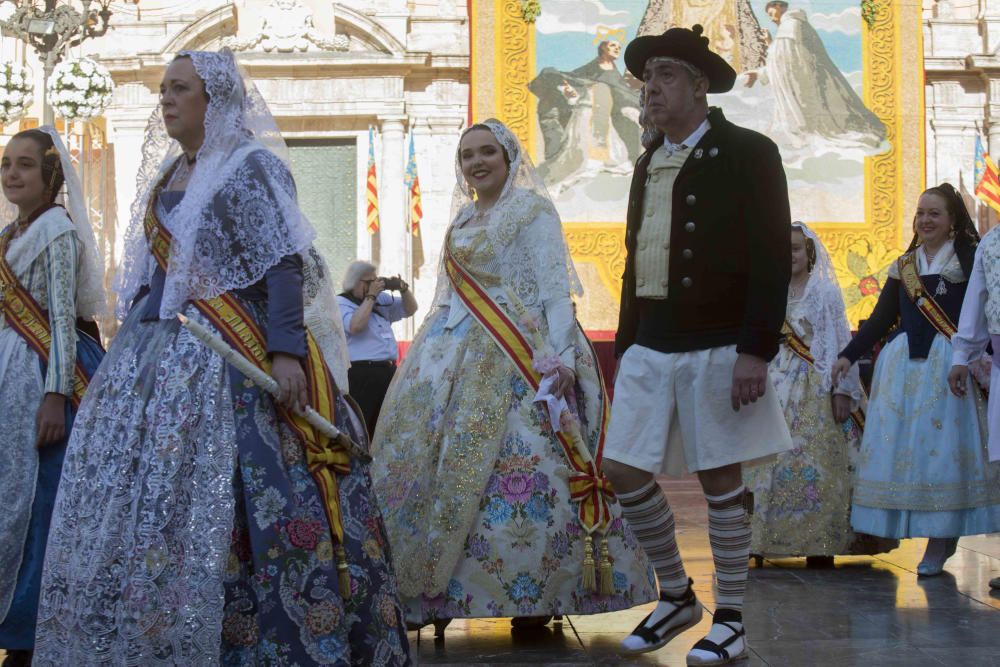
[{"x": 369, "y": 310}]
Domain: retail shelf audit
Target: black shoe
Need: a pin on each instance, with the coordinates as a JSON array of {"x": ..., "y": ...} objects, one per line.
[
  {"x": 17, "y": 658},
  {"x": 684, "y": 612},
  {"x": 734, "y": 648}
]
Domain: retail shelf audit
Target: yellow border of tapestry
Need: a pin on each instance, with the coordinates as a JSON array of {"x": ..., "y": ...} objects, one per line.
[{"x": 503, "y": 56}]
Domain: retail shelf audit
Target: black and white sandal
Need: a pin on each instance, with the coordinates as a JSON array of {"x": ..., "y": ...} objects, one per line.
[
  {"x": 734, "y": 648},
  {"x": 685, "y": 613}
]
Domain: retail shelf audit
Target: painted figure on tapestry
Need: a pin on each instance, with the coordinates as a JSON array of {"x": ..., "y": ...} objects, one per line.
[
  {"x": 588, "y": 117},
  {"x": 802, "y": 497},
  {"x": 924, "y": 469},
  {"x": 50, "y": 292},
  {"x": 489, "y": 448},
  {"x": 813, "y": 99},
  {"x": 730, "y": 26},
  {"x": 200, "y": 521}
]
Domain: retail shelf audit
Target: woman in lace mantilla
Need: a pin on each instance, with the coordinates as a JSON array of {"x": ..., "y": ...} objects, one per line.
[
  {"x": 52, "y": 257},
  {"x": 190, "y": 530},
  {"x": 923, "y": 469},
  {"x": 471, "y": 477},
  {"x": 802, "y": 498}
]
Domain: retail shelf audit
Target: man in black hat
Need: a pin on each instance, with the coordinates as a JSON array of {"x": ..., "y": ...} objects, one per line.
[{"x": 703, "y": 301}]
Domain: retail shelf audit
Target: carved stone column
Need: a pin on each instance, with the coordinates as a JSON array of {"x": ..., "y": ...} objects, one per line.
[
  {"x": 395, "y": 242},
  {"x": 127, "y": 117}
]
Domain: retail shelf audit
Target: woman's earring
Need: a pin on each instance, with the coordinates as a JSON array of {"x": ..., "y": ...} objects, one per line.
[{"x": 951, "y": 234}]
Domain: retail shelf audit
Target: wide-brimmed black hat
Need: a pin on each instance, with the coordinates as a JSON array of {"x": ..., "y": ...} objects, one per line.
[{"x": 687, "y": 45}]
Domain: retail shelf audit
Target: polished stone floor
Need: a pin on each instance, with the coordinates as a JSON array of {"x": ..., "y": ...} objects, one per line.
[{"x": 867, "y": 611}]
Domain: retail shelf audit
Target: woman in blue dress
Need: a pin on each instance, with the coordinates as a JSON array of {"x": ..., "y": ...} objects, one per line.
[
  {"x": 923, "y": 469},
  {"x": 197, "y": 524},
  {"x": 50, "y": 253}
]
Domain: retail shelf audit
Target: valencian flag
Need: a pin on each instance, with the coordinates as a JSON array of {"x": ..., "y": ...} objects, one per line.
[
  {"x": 372, "y": 196},
  {"x": 987, "y": 179},
  {"x": 412, "y": 181}
]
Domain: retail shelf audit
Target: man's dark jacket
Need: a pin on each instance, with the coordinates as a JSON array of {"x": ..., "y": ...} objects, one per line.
[{"x": 730, "y": 249}]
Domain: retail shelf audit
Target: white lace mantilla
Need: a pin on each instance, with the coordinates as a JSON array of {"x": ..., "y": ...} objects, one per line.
[
  {"x": 239, "y": 215},
  {"x": 527, "y": 252},
  {"x": 820, "y": 319},
  {"x": 989, "y": 249}
]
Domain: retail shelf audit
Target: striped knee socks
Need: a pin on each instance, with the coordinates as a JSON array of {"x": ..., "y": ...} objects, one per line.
[
  {"x": 648, "y": 513},
  {"x": 729, "y": 535}
]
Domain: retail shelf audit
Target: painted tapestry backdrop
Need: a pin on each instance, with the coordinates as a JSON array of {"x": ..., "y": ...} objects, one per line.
[{"x": 812, "y": 76}]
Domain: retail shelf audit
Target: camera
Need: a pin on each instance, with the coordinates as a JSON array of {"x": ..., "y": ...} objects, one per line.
[{"x": 392, "y": 284}]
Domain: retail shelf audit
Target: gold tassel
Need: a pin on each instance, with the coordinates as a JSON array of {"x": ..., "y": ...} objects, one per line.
[
  {"x": 343, "y": 573},
  {"x": 589, "y": 576},
  {"x": 607, "y": 576}
]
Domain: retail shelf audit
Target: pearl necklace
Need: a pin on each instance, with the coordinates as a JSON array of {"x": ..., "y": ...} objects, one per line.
[{"x": 930, "y": 255}]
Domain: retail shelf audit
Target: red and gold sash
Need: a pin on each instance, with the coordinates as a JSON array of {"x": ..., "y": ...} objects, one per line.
[
  {"x": 324, "y": 458},
  {"x": 910, "y": 277},
  {"x": 587, "y": 484},
  {"x": 801, "y": 350},
  {"x": 29, "y": 320}
]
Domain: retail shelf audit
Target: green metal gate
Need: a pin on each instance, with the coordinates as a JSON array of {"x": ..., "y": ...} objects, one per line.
[{"x": 325, "y": 172}]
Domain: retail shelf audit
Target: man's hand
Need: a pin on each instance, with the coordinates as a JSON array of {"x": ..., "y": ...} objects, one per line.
[
  {"x": 958, "y": 379},
  {"x": 751, "y": 79},
  {"x": 749, "y": 380},
  {"x": 841, "y": 405}
]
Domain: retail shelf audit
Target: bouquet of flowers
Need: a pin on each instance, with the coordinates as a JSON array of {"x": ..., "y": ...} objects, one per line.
[
  {"x": 80, "y": 89},
  {"x": 16, "y": 91}
]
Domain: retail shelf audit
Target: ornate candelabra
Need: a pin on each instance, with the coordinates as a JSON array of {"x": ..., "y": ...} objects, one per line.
[{"x": 52, "y": 28}]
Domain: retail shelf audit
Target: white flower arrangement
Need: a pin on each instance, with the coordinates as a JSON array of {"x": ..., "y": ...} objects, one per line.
[
  {"x": 80, "y": 89},
  {"x": 16, "y": 91}
]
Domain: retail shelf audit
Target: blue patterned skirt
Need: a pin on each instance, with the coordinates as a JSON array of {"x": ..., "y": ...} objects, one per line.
[
  {"x": 18, "y": 628},
  {"x": 924, "y": 469}
]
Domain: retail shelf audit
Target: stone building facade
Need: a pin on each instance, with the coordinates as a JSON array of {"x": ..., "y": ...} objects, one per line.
[
  {"x": 329, "y": 72},
  {"x": 962, "y": 92}
]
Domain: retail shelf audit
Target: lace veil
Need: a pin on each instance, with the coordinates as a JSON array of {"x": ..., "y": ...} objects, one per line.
[
  {"x": 523, "y": 197},
  {"x": 823, "y": 305},
  {"x": 243, "y": 159},
  {"x": 90, "y": 301}
]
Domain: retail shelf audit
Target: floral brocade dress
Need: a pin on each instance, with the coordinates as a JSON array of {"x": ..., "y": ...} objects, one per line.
[
  {"x": 474, "y": 484},
  {"x": 189, "y": 530},
  {"x": 802, "y": 497}
]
